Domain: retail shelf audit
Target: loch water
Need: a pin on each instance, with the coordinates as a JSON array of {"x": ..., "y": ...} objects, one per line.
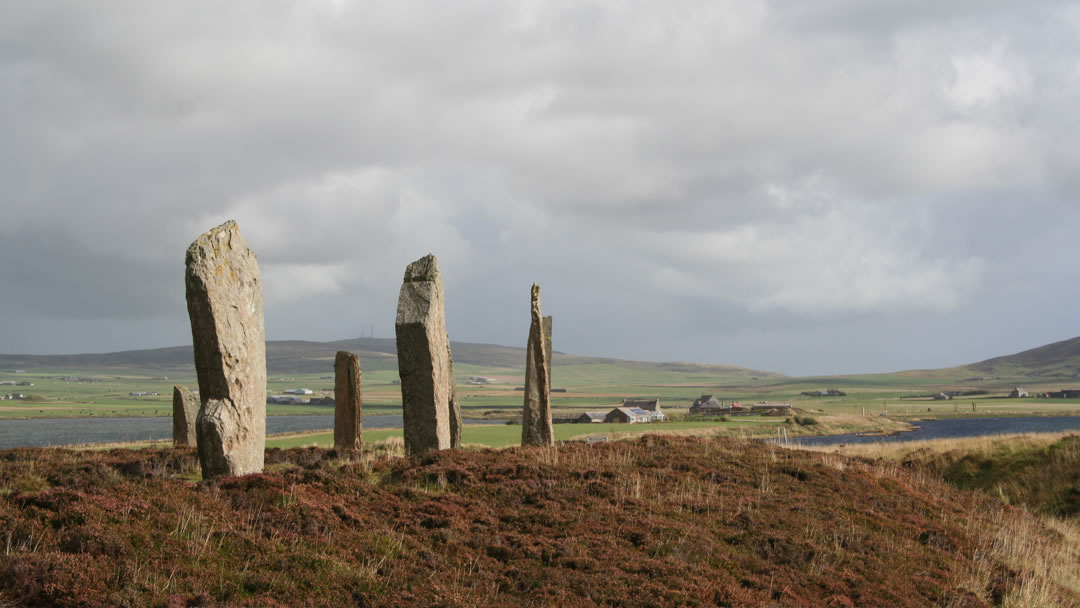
[
  {"x": 957, "y": 428},
  {"x": 43, "y": 432}
]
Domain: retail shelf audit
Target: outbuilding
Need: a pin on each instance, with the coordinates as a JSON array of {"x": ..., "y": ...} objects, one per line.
[
  {"x": 707, "y": 404},
  {"x": 652, "y": 406},
  {"x": 627, "y": 415}
]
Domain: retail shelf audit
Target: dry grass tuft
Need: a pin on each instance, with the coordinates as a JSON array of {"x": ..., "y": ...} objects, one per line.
[
  {"x": 1041, "y": 553},
  {"x": 986, "y": 445}
]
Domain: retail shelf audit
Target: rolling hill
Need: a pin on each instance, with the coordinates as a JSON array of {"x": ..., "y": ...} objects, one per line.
[
  {"x": 299, "y": 357},
  {"x": 1057, "y": 359}
]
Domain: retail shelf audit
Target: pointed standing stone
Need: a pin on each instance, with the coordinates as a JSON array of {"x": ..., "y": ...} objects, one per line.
[
  {"x": 184, "y": 410},
  {"x": 432, "y": 417},
  {"x": 455, "y": 407},
  {"x": 547, "y": 350},
  {"x": 224, "y": 298},
  {"x": 536, "y": 418},
  {"x": 348, "y": 405}
]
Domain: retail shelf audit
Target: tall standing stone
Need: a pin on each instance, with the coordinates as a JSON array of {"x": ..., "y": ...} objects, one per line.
[
  {"x": 432, "y": 417},
  {"x": 184, "y": 410},
  {"x": 224, "y": 298},
  {"x": 455, "y": 406},
  {"x": 348, "y": 405},
  {"x": 536, "y": 417}
]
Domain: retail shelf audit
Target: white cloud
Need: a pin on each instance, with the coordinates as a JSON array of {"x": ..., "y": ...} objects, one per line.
[
  {"x": 284, "y": 282},
  {"x": 826, "y": 254},
  {"x": 986, "y": 78}
]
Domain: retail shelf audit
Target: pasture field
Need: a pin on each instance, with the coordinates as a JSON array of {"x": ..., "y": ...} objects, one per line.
[
  {"x": 589, "y": 386},
  {"x": 506, "y": 435},
  {"x": 82, "y": 393}
]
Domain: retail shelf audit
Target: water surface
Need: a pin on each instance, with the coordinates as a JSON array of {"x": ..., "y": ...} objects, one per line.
[
  {"x": 42, "y": 432},
  {"x": 956, "y": 428}
]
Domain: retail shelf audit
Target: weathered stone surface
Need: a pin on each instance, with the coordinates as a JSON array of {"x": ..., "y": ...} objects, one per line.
[
  {"x": 348, "y": 405},
  {"x": 224, "y": 298},
  {"x": 455, "y": 406},
  {"x": 432, "y": 416},
  {"x": 536, "y": 417},
  {"x": 185, "y": 407},
  {"x": 547, "y": 347}
]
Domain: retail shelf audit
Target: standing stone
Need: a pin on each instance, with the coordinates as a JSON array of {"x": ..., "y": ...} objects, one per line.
[
  {"x": 547, "y": 349},
  {"x": 432, "y": 416},
  {"x": 455, "y": 407},
  {"x": 224, "y": 298},
  {"x": 348, "y": 407},
  {"x": 536, "y": 417},
  {"x": 184, "y": 410}
]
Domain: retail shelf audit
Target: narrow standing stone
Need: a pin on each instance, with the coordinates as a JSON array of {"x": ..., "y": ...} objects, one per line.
[
  {"x": 432, "y": 417},
  {"x": 184, "y": 410},
  {"x": 224, "y": 298},
  {"x": 536, "y": 416},
  {"x": 455, "y": 407},
  {"x": 348, "y": 405}
]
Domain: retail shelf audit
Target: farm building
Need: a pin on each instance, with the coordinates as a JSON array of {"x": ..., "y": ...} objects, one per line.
[
  {"x": 284, "y": 400},
  {"x": 628, "y": 415},
  {"x": 831, "y": 392},
  {"x": 590, "y": 417},
  {"x": 1018, "y": 392},
  {"x": 707, "y": 404},
  {"x": 770, "y": 408},
  {"x": 652, "y": 406}
]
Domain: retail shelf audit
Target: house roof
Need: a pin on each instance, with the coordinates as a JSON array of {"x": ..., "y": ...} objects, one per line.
[
  {"x": 644, "y": 404},
  {"x": 707, "y": 401},
  {"x": 595, "y": 415}
]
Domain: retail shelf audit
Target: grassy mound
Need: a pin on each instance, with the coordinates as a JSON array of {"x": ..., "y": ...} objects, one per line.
[
  {"x": 1043, "y": 477},
  {"x": 659, "y": 521}
]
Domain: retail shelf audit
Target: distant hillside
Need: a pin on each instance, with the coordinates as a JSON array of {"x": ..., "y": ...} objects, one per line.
[
  {"x": 1057, "y": 359},
  {"x": 299, "y": 357}
]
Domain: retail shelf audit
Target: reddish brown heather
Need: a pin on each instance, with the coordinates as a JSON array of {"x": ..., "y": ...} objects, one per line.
[{"x": 653, "y": 522}]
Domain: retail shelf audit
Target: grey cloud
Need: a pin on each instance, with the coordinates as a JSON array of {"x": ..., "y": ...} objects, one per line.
[
  {"x": 748, "y": 174},
  {"x": 48, "y": 274}
]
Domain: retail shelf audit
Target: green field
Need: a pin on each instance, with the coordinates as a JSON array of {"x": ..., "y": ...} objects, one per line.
[
  {"x": 83, "y": 393},
  {"x": 590, "y": 387},
  {"x": 505, "y": 435},
  {"x": 101, "y": 385}
]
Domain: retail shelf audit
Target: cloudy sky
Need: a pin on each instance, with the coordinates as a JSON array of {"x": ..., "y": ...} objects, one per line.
[{"x": 831, "y": 187}]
